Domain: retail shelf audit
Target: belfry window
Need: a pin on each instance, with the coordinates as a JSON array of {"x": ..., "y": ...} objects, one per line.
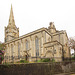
[{"x": 37, "y": 46}]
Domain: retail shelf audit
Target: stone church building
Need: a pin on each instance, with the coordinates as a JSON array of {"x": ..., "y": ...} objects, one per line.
[{"x": 41, "y": 43}]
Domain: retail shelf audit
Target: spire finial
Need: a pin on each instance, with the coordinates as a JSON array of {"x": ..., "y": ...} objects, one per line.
[
  {"x": 11, "y": 6},
  {"x": 11, "y": 12},
  {"x": 51, "y": 23}
]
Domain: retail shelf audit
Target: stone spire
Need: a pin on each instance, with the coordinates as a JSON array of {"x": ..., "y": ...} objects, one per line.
[
  {"x": 11, "y": 31},
  {"x": 11, "y": 19}
]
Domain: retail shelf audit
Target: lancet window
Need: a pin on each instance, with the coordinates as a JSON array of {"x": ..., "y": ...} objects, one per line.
[
  {"x": 27, "y": 45},
  {"x": 18, "y": 50},
  {"x": 37, "y": 46}
]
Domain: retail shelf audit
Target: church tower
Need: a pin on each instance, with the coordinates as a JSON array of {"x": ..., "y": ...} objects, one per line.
[
  {"x": 52, "y": 28},
  {"x": 11, "y": 31}
]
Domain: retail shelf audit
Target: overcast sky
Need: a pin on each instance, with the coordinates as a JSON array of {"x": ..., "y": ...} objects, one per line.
[{"x": 30, "y": 15}]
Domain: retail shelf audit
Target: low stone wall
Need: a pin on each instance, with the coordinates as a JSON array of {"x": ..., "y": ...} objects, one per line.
[{"x": 37, "y": 68}]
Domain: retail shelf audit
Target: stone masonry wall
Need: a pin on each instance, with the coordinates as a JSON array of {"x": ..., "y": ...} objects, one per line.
[{"x": 37, "y": 68}]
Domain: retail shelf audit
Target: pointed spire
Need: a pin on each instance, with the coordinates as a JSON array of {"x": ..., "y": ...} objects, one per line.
[{"x": 11, "y": 18}]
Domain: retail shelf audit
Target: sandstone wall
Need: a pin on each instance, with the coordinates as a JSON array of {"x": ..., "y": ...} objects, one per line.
[{"x": 37, "y": 68}]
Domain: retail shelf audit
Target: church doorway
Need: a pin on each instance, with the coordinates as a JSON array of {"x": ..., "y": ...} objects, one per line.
[{"x": 26, "y": 57}]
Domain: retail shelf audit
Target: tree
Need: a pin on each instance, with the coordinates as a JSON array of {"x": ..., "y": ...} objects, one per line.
[
  {"x": 2, "y": 49},
  {"x": 72, "y": 44},
  {"x": 2, "y": 46}
]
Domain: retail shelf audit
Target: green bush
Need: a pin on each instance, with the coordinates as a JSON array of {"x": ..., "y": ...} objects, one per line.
[
  {"x": 46, "y": 60},
  {"x": 23, "y": 61},
  {"x": 53, "y": 60},
  {"x": 6, "y": 63},
  {"x": 39, "y": 61}
]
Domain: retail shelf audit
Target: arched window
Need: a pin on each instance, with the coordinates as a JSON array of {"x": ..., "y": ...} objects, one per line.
[
  {"x": 37, "y": 46},
  {"x": 27, "y": 45},
  {"x": 12, "y": 52},
  {"x": 18, "y": 50}
]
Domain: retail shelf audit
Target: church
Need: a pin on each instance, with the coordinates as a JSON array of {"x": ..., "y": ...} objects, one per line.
[{"x": 41, "y": 43}]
